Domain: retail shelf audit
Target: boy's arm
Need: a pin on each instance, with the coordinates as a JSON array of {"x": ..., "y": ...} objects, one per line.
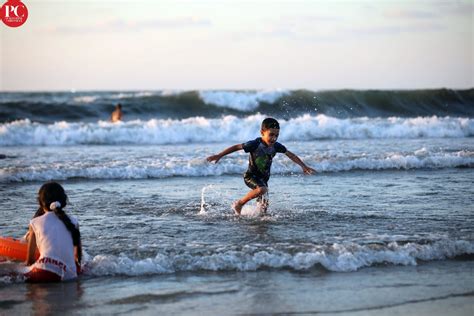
[
  {"x": 226, "y": 151},
  {"x": 298, "y": 161}
]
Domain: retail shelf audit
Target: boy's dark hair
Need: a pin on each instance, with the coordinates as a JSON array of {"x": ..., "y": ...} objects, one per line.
[{"x": 270, "y": 122}]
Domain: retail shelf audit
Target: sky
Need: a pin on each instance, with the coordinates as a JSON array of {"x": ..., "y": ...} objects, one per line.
[{"x": 223, "y": 45}]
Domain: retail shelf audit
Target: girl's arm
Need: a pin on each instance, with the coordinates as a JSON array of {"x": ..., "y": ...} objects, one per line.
[
  {"x": 298, "y": 161},
  {"x": 226, "y": 151},
  {"x": 30, "y": 255},
  {"x": 76, "y": 252}
]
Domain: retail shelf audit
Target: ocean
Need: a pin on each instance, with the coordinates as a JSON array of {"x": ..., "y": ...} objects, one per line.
[{"x": 385, "y": 227}]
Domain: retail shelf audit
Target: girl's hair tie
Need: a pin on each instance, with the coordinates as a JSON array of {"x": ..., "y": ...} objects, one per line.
[{"x": 53, "y": 206}]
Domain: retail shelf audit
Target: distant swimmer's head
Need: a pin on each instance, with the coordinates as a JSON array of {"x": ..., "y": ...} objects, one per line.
[
  {"x": 270, "y": 131},
  {"x": 51, "y": 195}
]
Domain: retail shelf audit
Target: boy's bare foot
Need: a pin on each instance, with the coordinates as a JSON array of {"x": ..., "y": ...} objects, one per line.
[{"x": 237, "y": 207}]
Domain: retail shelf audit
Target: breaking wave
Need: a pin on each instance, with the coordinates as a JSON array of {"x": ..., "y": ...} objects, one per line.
[
  {"x": 49, "y": 107},
  {"x": 145, "y": 168},
  {"x": 229, "y": 129},
  {"x": 335, "y": 257}
]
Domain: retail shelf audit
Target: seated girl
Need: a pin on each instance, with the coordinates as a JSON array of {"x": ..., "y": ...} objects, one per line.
[{"x": 57, "y": 237}]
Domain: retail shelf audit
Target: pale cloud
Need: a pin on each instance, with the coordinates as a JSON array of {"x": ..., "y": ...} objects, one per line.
[
  {"x": 121, "y": 25},
  {"x": 306, "y": 20},
  {"x": 433, "y": 10},
  {"x": 466, "y": 10},
  {"x": 321, "y": 27},
  {"x": 320, "y": 18},
  {"x": 457, "y": 8},
  {"x": 411, "y": 14},
  {"x": 386, "y": 30},
  {"x": 312, "y": 28}
]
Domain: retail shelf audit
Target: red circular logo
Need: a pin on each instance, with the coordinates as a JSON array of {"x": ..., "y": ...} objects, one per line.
[{"x": 14, "y": 13}]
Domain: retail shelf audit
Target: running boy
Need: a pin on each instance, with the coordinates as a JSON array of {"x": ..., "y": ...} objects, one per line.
[{"x": 262, "y": 150}]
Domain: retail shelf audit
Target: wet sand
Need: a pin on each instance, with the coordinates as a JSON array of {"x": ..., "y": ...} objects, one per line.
[{"x": 435, "y": 288}]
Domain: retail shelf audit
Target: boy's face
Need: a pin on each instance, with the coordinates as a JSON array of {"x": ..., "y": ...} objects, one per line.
[{"x": 270, "y": 136}]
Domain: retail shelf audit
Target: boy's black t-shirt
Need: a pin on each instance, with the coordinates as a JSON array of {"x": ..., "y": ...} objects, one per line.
[{"x": 261, "y": 156}]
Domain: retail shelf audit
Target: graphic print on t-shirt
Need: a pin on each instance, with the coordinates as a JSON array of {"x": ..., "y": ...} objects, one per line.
[
  {"x": 261, "y": 163},
  {"x": 261, "y": 157}
]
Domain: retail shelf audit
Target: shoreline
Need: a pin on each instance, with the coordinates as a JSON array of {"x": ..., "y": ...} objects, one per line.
[{"x": 433, "y": 288}]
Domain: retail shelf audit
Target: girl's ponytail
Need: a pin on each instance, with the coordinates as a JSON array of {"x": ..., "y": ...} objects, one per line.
[{"x": 76, "y": 234}]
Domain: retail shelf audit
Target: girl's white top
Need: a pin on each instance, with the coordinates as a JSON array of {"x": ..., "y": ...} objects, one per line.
[{"x": 54, "y": 242}]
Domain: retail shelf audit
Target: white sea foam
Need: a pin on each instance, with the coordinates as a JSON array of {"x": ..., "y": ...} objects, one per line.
[
  {"x": 399, "y": 161},
  {"x": 86, "y": 99},
  {"x": 336, "y": 257},
  {"x": 167, "y": 93},
  {"x": 229, "y": 128},
  {"x": 134, "y": 168},
  {"x": 240, "y": 100},
  {"x": 129, "y": 95}
]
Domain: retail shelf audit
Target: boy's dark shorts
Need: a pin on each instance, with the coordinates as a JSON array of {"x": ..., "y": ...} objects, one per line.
[{"x": 253, "y": 181}]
